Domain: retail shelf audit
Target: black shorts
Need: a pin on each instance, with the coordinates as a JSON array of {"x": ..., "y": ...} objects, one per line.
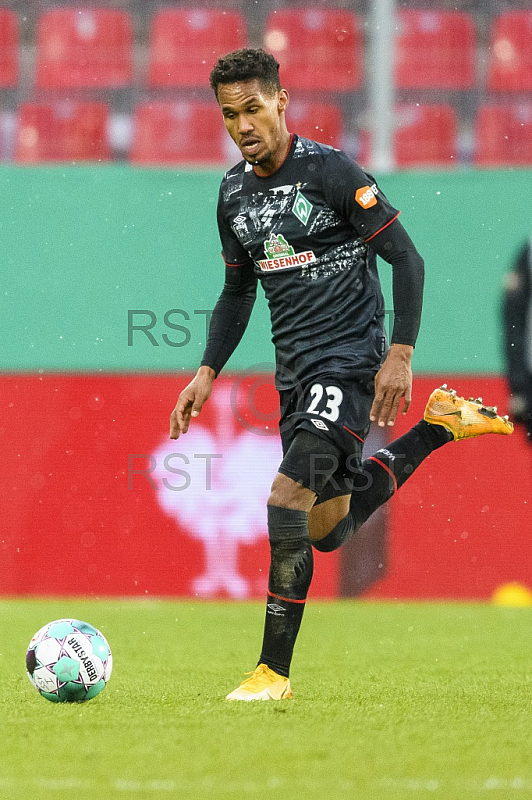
[{"x": 334, "y": 410}]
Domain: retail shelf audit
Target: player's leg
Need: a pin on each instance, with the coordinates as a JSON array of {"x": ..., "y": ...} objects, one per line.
[
  {"x": 328, "y": 511},
  {"x": 307, "y": 466},
  {"x": 447, "y": 418},
  {"x": 377, "y": 479}
]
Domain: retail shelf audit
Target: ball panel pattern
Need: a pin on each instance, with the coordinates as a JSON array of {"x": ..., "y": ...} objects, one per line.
[
  {"x": 68, "y": 661},
  {"x": 48, "y": 651}
]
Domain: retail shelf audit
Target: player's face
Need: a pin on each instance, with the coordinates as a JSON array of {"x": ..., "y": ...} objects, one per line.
[{"x": 255, "y": 121}]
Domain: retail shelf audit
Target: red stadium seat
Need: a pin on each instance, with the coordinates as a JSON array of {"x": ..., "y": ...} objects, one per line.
[
  {"x": 317, "y": 48},
  {"x": 319, "y": 121},
  {"x": 9, "y": 38},
  {"x": 183, "y": 132},
  {"x": 185, "y": 43},
  {"x": 435, "y": 50},
  {"x": 83, "y": 48},
  {"x": 62, "y": 131},
  {"x": 510, "y": 65},
  {"x": 503, "y": 135},
  {"x": 424, "y": 136}
]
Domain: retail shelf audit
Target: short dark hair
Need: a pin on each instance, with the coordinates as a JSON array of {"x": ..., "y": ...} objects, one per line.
[{"x": 246, "y": 65}]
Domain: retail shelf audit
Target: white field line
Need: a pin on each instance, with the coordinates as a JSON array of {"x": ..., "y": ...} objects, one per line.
[
  {"x": 433, "y": 786},
  {"x": 436, "y": 785}
]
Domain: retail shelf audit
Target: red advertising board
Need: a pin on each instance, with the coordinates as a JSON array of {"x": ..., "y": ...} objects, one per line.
[
  {"x": 98, "y": 500},
  {"x": 461, "y": 525}
]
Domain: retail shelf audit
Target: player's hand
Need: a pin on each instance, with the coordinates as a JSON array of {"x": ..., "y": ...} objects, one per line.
[
  {"x": 393, "y": 382},
  {"x": 191, "y": 400}
]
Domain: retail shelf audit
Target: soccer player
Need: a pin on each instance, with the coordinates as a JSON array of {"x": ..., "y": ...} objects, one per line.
[
  {"x": 517, "y": 317},
  {"x": 307, "y": 222}
]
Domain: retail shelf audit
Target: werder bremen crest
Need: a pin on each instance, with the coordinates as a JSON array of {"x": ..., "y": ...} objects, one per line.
[
  {"x": 302, "y": 208},
  {"x": 277, "y": 246}
]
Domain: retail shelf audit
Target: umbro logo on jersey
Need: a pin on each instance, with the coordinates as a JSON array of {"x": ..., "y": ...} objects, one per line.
[
  {"x": 319, "y": 424},
  {"x": 276, "y": 610},
  {"x": 302, "y": 208},
  {"x": 366, "y": 196}
]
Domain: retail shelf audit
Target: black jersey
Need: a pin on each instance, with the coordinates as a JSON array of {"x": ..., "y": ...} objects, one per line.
[{"x": 305, "y": 229}]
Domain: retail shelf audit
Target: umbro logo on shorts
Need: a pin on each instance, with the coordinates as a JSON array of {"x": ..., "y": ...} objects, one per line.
[{"x": 318, "y": 423}]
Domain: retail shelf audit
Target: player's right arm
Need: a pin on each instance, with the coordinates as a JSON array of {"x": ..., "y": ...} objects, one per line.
[
  {"x": 191, "y": 400},
  {"x": 229, "y": 320}
]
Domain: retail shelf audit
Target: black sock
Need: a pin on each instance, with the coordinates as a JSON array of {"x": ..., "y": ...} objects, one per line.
[
  {"x": 382, "y": 474},
  {"x": 291, "y": 570},
  {"x": 385, "y": 472}
]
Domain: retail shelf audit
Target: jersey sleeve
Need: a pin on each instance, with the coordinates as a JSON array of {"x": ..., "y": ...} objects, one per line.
[
  {"x": 232, "y": 251},
  {"x": 355, "y": 196}
]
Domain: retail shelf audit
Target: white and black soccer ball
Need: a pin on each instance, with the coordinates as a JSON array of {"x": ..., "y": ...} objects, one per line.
[{"x": 69, "y": 661}]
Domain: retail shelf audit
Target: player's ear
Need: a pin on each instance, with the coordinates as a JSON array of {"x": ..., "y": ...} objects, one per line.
[{"x": 283, "y": 100}]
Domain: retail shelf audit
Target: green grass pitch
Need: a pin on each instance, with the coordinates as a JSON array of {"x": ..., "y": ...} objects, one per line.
[{"x": 391, "y": 702}]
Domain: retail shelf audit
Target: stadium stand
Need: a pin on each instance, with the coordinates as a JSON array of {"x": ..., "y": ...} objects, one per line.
[
  {"x": 185, "y": 43},
  {"x": 435, "y": 49},
  {"x": 503, "y": 135},
  {"x": 318, "y": 49},
  {"x": 182, "y": 132},
  {"x": 129, "y": 54},
  {"x": 510, "y": 53},
  {"x": 424, "y": 136},
  {"x": 62, "y": 131},
  {"x": 320, "y": 121},
  {"x": 9, "y": 42},
  {"x": 84, "y": 48}
]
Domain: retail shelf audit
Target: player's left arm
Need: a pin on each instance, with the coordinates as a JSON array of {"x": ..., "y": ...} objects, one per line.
[
  {"x": 356, "y": 197},
  {"x": 393, "y": 382}
]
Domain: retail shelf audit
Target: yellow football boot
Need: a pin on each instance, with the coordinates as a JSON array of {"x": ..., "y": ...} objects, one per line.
[
  {"x": 263, "y": 684},
  {"x": 464, "y": 418}
]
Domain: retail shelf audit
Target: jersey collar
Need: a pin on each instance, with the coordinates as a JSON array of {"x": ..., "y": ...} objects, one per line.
[{"x": 265, "y": 177}]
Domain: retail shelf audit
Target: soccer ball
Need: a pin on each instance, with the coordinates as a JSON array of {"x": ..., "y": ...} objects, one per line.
[{"x": 69, "y": 661}]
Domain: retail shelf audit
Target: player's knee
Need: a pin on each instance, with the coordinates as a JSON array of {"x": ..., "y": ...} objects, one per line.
[
  {"x": 325, "y": 516},
  {"x": 288, "y": 493},
  {"x": 286, "y": 523}
]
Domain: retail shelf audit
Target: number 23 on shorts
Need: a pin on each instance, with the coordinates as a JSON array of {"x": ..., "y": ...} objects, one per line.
[{"x": 328, "y": 406}]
